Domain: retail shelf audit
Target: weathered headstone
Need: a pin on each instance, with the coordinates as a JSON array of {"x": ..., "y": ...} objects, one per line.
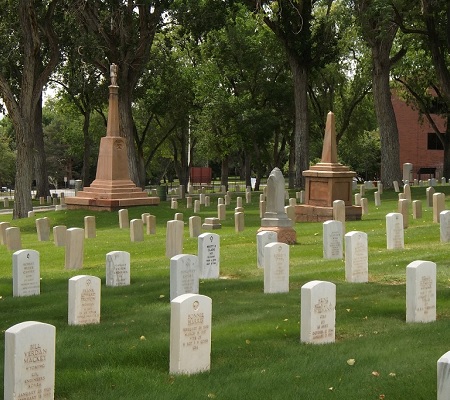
[
  {"x": 13, "y": 239},
  {"x": 178, "y": 216},
  {"x": 407, "y": 192},
  {"x": 189, "y": 202},
  {"x": 174, "y": 238},
  {"x": 444, "y": 227},
  {"x": 332, "y": 240},
  {"x": 6, "y": 202},
  {"x": 358, "y": 199},
  {"x": 290, "y": 212},
  {"x": 211, "y": 223},
  {"x": 377, "y": 198},
  {"x": 74, "y": 248},
  {"x": 195, "y": 226},
  {"x": 380, "y": 187},
  {"x": 59, "y": 235},
  {"x": 239, "y": 221},
  {"x": 430, "y": 192},
  {"x": 3, "y": 226},
  {"x": 174, "y": 204},
  {"x": 144, "y": 217},
  {"x": 417, "y": 209},
  {"x": 438, "y": 205},
  {"x": 124, "y": 222},
  {"x": 117, "y": 268},
  {"x": 394, "y": 231},
  {"x": 239, "y": 201},
  {"x": 207, "y": 201},
  {"x": 356, "y": 257},
  {"x": 248, "y": 197},
  {"x": 31, "y": 214},
  {"x": 421, "y": 291},
  {"x": 84, "y": 300},
  {"x": 318, "y": 315},
  {"x": 262, "y": 239},
  {"x": 90, "y": 231},
  {"x": 151, "y": 224},
  {"x": 209, "y": 255},
  {"x": 26, "y": 273},
  {"x": 396, "y": 187},
  {"x": 43, "y": 229},
  {"x": 403, "y": 208},
  {"x": 190, "y": 334},
  {"x": 364, "y": 206},
  {"x": 184, "y": 275},
  {"x": 221, "y": 212},
  {"x": 136, "y": 230},
  {"x": 262, "y": 208},
  {"x": 276, "y": 268},
  {"x": 443, "y": 377},
  {"x": 339, "y": 213},
  {"x": 196, "y": 206},
  {"x": 29, "y": 361}
]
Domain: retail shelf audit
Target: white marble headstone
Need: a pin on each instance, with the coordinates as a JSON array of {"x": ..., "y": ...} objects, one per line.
[
  {"x": 332, "y": 239},
  {"x": 184, "y": 275},
  {"x": 118, "y": 268},
  {"x": 444, "y": 226},
  {"x": 263, "y": 238},
  {"x": 84, "y": 300},
  {"x": 394, "y": 231},
  {"x": 318, "y": 315},
  {"x": 190, "y": 334},
  {"x": 209, "y": 255},
  {"x": 443, "y": 377},
  {"x": 276, "y": 268},
  {"x": 356, "y": 257},
  {"x": 29, "y": 361},
  {"x": 26, "y": 273},
  {"x": 421, "y": 291}
]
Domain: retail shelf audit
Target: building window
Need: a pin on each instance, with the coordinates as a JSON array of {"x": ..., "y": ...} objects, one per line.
[{"x": 433, "y": 142}]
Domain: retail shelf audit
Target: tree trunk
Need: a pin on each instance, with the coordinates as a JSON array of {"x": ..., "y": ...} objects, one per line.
[
  {"x": 390, "y": 147},
  {"x": 225, "y": 171},
  {"x": 24, "y": 168},
  {"x": 40, "y": 161},
  {"x": 291, "y": 165},
  {"x": 127, "y": 131},
  {"x": 446, "y": 139},
  {"x": 85, "y": 172},
  {"x": 301, "y": 126},
  {"x": 248, "y": 169}
]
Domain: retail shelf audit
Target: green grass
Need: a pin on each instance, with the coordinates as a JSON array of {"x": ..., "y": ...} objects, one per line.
[{"x": 256, "y": 351}]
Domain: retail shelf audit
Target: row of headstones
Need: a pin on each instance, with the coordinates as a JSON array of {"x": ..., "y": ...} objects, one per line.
[
  {"x": 26, "y": 271},
  {"x": 421, "y": 183},
  {"x": 33, "y": 372}
]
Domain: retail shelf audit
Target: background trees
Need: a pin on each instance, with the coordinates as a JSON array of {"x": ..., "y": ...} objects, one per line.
[{"x": 244, "y": 85}]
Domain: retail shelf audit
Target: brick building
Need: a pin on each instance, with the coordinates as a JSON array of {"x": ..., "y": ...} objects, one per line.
[{"x": 419, "y": 145}]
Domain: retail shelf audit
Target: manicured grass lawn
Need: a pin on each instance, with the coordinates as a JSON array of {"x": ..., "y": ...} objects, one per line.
[{"x": 256, "y": 351}]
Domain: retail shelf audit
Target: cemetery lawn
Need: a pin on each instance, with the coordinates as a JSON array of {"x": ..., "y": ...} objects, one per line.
[{"x": 256, "y": 349}]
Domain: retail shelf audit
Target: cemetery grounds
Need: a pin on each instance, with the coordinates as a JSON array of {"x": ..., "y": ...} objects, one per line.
[{"x": 256, "y": 350}]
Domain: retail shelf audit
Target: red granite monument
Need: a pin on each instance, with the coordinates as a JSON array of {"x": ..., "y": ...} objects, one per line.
[
  {"x": 112, "y": 188},
  {"x": 326, "y": 182}
]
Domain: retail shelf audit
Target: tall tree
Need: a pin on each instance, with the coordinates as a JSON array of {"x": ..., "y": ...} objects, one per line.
[
  {"x": 30, "y": 53},
  {"x": 379, "y": 30},
  {"x": 308, "y": 39}
]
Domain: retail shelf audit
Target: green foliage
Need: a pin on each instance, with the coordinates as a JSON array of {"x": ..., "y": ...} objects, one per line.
[{"x": 363, "y": 154}]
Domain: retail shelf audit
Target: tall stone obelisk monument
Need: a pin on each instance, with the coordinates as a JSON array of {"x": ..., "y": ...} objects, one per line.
[{"x": 112, "y": 188}]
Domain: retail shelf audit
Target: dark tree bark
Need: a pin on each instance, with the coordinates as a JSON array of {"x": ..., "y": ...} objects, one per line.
[{"x": 40, "y": 159}]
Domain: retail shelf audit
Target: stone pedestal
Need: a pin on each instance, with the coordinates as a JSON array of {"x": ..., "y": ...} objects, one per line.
[
  {"x": 326, "y": 182},
  {"x": 112, "y": 188}
]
